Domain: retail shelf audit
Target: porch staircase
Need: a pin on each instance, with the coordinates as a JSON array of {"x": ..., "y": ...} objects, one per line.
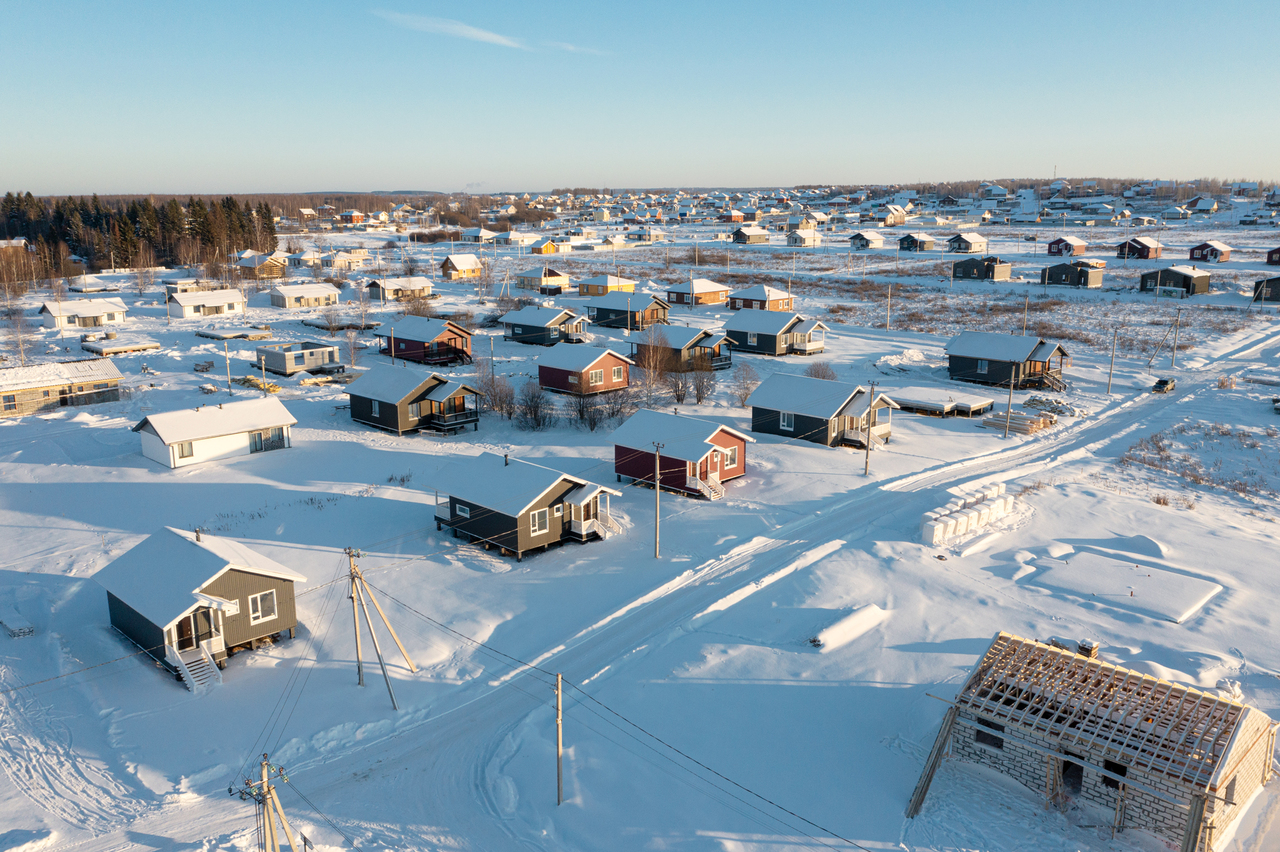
[
  {"x": 1055, "y": 382},
  {"x": 198, "y": 669},
  {"x": 709, "y": 488},
  {"x": 606, "y": 525}
]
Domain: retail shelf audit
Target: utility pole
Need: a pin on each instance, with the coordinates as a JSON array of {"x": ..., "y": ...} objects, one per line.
[
  {"x": 1026, "y": 307},
  {"x": 657, "y": 494},
  {"x": 1115, "y": 335},
  {"x": 226, "y": 353},
  {"x": 359, "y": 590},
  {"x": 264, "y": 795},
  {"x": 871, "y": 401},
  {"x": 264, "y": 376},
  {"x": 1177, "y": 321},
  {"x": 888, "y": 306},
  {"x": 559, "y": 740},
  {"x": 1008, "y": 412}
]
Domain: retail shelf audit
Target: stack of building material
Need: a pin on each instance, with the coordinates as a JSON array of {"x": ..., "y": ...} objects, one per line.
[
  {"x": 970, "y": 512},
  {"x": 1022, "y": 422}
]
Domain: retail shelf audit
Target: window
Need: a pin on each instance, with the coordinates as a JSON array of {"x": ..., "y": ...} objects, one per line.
[
  {"x": 555, "y": 331},
  {"x": 751, "y": 339},
  {"x": 415, "y": 410},
  {"x": 373, "y": 408},
  {"x": 401, "y": 346},
  {"x": 732, "y": 460},
  {"x": 559, "y": 510},
  {"x": 983, "y": 738},
  {"x": 617, "y": 374},
  {"x": 185, "y": 450},
  {"x": 573, "y": 378},
  {"x": 983, "y": 365},
  {"x": 262, "y": 607},
  {"x": 595, "y": 377},
  {"x": 517, "y": 329},
  {"x": 96, "y": 386},
  {"x": 461, "y": 511},
  {"x": 45, "y": 394},
  {"x": 538, "y": 522},
  {"x": 10, "y": 401},
  {"x": 1122, "y": 770},
  {"x": 786, "y": 420},
  {"x": 1231, "y": 790}
]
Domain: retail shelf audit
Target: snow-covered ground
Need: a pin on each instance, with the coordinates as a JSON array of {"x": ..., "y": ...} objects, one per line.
[{"x": 698, "y": 714}]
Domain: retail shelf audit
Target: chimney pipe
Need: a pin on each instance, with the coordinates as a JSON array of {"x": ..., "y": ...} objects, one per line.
[
  {"x": 197, "y": 533},
  {"x": 505, "y": 461}
]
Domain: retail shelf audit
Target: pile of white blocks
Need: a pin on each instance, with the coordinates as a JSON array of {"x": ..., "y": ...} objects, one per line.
[{"x": 971, "y": 512}]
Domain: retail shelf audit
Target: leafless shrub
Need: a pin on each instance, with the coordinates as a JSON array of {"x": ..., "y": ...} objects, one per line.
[
  {"x": 1032, "y": 487},
  {"x": 821, "y": 370},
  {"x": 679, "y": 384},
  {"x": 1160, "y": 500},
  {"x": 353, "y": 346},
  {"x": 417, "y": 305},
  {"x": 743, "y": 381},
  {"x": 1226, "y": 382},
  {"x": 619, "y": 405},
  {"x": 588, "y": 411},
  {"x": 331, "y": 319},
  {"x": 19, "y": 331},
  {"x": 653, "y": 364},
  {"x": 535, "y": 409},
  {"x": 704, "y": 383}
]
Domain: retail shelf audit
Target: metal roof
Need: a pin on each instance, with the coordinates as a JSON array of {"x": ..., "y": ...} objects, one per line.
[
  {"x": 993, "y": 346},
  {"x": 574, "y": 357},
  {"x": 57, "y": 374},
  {"x": 212, "y": 421}
]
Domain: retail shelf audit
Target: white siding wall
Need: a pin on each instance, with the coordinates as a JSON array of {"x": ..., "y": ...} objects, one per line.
[
  {"x": 155, "y": 449},
  {"x": 212, "y": 449}
]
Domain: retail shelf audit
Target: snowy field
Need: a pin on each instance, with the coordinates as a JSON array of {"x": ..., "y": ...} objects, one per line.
[{"x": 698, "y": 714}]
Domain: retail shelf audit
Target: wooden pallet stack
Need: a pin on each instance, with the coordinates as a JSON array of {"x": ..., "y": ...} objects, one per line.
[{"x": 1023, "y": 422}]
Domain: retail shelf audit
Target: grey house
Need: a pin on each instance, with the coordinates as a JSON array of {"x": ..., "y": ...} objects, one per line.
[
  {"x": 989, "y": 358},
  {"x": 821, "y": 411},
  {"x": 285, "y": 359},
  {"x": 191, "y": 600},
  {"x": 1190, "y": 280},
  {"x": 542, "y": 326},
  {"x": 1072, "y": 275},
  {"x": 517, "y": 506},
  {"x": 1267, "y": 290},
  {"x": 916, "y": 242},
  {"x": 775, "y": 333},
  {"x": 402, "y": 399},
  {"x": 621, "y": 309},
  {"x": 967, "y": 243},
  {"x": 982, "y": 269}
]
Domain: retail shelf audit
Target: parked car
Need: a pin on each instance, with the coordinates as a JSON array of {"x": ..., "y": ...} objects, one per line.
[{"x": 1164, "y": 386}]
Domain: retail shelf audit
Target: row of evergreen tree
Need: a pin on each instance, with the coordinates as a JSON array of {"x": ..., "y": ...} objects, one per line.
[{"x": 135, "y": 232}]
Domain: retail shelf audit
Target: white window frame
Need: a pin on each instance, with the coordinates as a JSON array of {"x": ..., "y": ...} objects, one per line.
[
  {"x": 732, "y": 460},
  {"x": 186, "y": 450},
  {"x": 415, "y": 410},
  {"x": 373, "y": 408},
  {"x": 786, "y": 421},
  {"x": 595, "y": 377},
  {"x": 751, "y": 338},
  {"x": 255, "y": 607},
  {"x": 559, "y": 509},
  {"x": 983, "y": 366},
  {"x": 617, "y": 374},
  {"x": 461, "y": 511},
  {"x": 573, "y": 378},
  {"x": 539, "y": 515},
  {"x": 515, "y": 329}
]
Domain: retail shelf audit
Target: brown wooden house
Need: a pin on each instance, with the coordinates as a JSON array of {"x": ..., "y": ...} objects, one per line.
[
  {"x": 697, "y": 291},
  {"x": 761, "y": 297},
  {"x": 1273, "y": 257},
  {"x": 1072, "y": 275},
  {"x": 684, "y": 348},
  {"x": 401, "y": 399},
  {"x": 583, "y": 370},
  {"x": 982, "y": 269},
  {"x": 459, "y": 266},
  {"x": 1212, "y": 252},
  {"x": 1067, "y": 247},
  {"x": 635, "y": 311},
  {"x": 1145, "y": 248},
  {"x": 427, "y": 341},
  {"x": 40, "y": 388},
  {"x": 697, "y": 456}
]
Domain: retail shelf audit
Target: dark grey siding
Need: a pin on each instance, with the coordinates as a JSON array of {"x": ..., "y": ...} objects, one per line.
[
  {"x": 535, "y": 335},
  {"x": 131, "y": 623},
  {"x": 769, "y": 422},
  {"x": 238, "y": 586},
  {"x": 485, "y": 524},
  {"x": 966, "y": 370},
  {"x": 389, "y": 416},
  {"x": 766, "y": 344}
]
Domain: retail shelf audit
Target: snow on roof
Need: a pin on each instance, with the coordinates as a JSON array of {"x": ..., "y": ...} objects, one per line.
[
  {"x": 619, "y": 300},
  {"x": 919, "y": 236},
  {"x": 869, "y": 236},
  {"x": 212, "y": 421},
  {"x": 447, "y": 389},
  {"x": 422, "y": 329},
  {"x": 608, "y": 281},
  {"x": 160, "y": 576},
  {"x": 682, "y": 437},
  {"x": 993, "y": 346},
  {"x": 1182, "y": 269},
  {"x": 803, "y": 395},
  {"x": 63, "y": 373},
  {"x": 538, "y": 316},
  {"x": 969, "y": 237},
  {"x": 1217, "y": 245},
  {"x": 390, "y": 384},
  {"x": 697, "y": 285},
  {"x": 761, "y": 293},
  {"x": 305, "y": 290},
  {"x": 752, "y": 231},
  {"x": 463, "y": 261},
  {"x": 413, "y": 282},
  {"x": 1149, "y": 242},
  {"x": 541, "y": 272},
  {"x": 1071, "y": 241},
  {"x": 807, "y": 326},
  {"x": 574, "y": 357},
  {"x": 683, "y": 336},
  {"x": 761, "y": 322},
  {"x": 200, "y": 298},
  {"x": 506, "y": 486},
  {"x": 84, "y": 307}
]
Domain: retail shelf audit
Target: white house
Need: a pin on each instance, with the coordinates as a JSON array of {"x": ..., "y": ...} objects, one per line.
[
  {"x": 206, "y": 303},
  {"x": 216, "y": 431},
  {"x": 82, "y": 313},
  {"x": 803, "y": 238},
  {"x": 304, "y": 295}
]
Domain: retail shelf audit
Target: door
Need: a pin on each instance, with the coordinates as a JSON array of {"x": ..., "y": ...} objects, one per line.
[
  {"x": 186, "y": 634},
  {"x": 1072, "y": 776},
  {"x": 255, "y": 442}
]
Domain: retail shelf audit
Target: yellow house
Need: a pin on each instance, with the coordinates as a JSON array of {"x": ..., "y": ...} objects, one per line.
[
  {"x": 543, "y": 246},
  {"x": 457, "y": 266},
  {"x": 602, "y": 284}
]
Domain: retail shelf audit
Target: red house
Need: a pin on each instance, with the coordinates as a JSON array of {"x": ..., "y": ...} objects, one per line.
[
  {"x": 1146, "y": 248},
  {"x": 583, "y": 370},
  {"x": 352, "y": 217},
  {"x": 697, "y": 456},
  {"x": 1273, "y": 257},
  {"x": 427, "y": 341},
  {"x": 1067, "y": 247},
  {"x": 1212, "y": 251}
]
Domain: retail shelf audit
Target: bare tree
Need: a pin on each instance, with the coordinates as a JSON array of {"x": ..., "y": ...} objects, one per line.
[
  {"x": 704, "y": 382},
  {"x": 18, "y": 332},
  {"x": 410, "y": 264},
  {"x": 821, "y": 370},
  {"x": 743, "y": 382},
  {"x": 145, "y": 276},
  {"x": 679, "y": 383},
  {"x": 360, "y": 304},
  {"x": 653, "y": 363},
  {"x": 332, "y": 319},
  {"x": 588, "y": 412},
  {"x": 353, "y": 346},
  {"x": 535, "y": 408},
  {"x": 619, "y": 405},
  {"x": 416, "y": 304}
]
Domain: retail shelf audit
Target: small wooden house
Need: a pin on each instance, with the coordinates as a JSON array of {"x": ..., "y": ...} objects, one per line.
[
  {"x": 263, "y": 267},
  {"x": 304, "y": 295},
  {"x": 916, "y": 242},
  {"x": 602, "y": 285},
  {"x": 635, "y": 311},
  {"x": 400, "y": 289},
  {"x": 1067, "y": 247},
  {"x": 684, "y": 349},
  {"x": 583, "y": 370},
  {"x": 41, "y": 388},
  {"x": 1072, "y": 275},
  {"x": 540, "y": 276},
  {"x": 989, "y": 358},
  {"x": 215, "y": 432},
  {"x": 460, "y": 266},
  {"x": 891, "y": 215},
  {"x": 477, "y": 235},
  {"x": 804, "y": 238},
  {"x": 821, "y": 411},
  {"x": 401, "y": 399},
  {"x": 518, "y": 507},
  {"x": 543, "y": 246},
  {"x": 1273, "y": 257},
  {"x": 1267, "y": 290},
  {"x": 286, "y": 359},
  {"x": 863, "y": 240},
  {"x": 1141, "y": 752},
  {"x": 982, "y": 269},
  {"x": 190, "y": 600},
  {"x": 697, "y": 456},
  {"x": 775, "y": 333},
  {"x": 697, "y": 291},
  {"x": 750, "y": 235},
  {"x": 967, "y": 243},
  {"x": 1145, "y": 248},
  {"x": 83, "y": 313},
  {"x": 206, "y": 303},
  {"x": 1212, "y": 252},
  {"x": 427, "y": 341},
  {"x": 1188, "y": 279},
  {"x": 761, "y": 297},
  {"x": 542, "y": 326}
]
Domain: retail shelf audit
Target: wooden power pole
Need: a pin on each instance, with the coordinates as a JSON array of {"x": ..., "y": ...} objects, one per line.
[
  {"x": 359, "y": 592},
  {"x": 559, "y": 739},
  {"x": 657, "y": 496},
  {"x": 1115, "y": 335},
  {"x": 270, "y": 811}
]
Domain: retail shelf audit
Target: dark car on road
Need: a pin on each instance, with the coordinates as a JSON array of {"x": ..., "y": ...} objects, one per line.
[{"x": 1164, "y": 386}]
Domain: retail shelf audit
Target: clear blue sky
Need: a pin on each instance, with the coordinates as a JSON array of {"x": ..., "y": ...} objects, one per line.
[{"x": 124, "y": 97}]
